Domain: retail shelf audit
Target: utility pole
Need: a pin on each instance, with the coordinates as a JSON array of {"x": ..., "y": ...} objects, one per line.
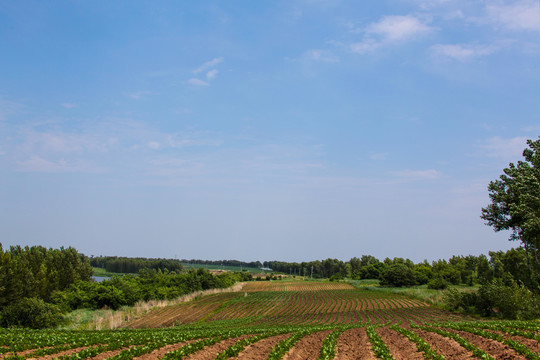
[{"x": 312, "y": 271}]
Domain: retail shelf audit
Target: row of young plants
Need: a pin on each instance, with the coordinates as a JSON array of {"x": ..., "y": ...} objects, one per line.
[{"x": 139, "y": 342}]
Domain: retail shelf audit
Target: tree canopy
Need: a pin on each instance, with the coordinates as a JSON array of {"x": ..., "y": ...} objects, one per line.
[{"x": 515, "y": 204}]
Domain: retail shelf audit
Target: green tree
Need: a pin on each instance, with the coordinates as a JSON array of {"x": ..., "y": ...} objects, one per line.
[{"x": 515, "y": 205}]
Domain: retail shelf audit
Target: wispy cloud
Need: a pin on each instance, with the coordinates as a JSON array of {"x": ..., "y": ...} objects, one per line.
[
  {"x": 210, "y": 74},
  {"x": 208, "y": 64},
  {"x": 198, "y": 82},
  {"x": 516, "y": 15},
  {"x": 462, "y": 52},
  {"x": 38, "y": 164},
  {"x": 321, "y": 55},
  {"x": 390, "y": 29},
  {"x": 508, "y": 149},
  {"x": 139, "y": 94}
]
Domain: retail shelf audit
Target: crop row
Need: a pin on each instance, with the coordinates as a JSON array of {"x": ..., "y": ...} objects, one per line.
[{"x": 23, "y": 344}]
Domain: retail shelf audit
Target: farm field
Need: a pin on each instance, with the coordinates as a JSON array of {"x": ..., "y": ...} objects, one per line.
[{"x": 288, "y": 320}]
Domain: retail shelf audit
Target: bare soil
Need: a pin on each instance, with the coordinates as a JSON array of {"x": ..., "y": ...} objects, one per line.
[
  {"x": 210, "y": 352},
  {"x": 400, "y": 347},
  {"x": 494, "y": 348},
  {"x": 449, "y": 348},
  {"x": 354, "y": 344},
  {"x": 261, "y": 349},
  {"x": 307, "y": 348}
]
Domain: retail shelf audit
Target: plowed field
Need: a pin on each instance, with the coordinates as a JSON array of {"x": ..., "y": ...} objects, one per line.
[{"x": 287, "y": 321}]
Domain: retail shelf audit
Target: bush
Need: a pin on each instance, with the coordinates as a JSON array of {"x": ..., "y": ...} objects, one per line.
[
  {"x": 437, "y": 283},
  {"x": 496, "y": 299},
  {"x": 398, "y": 275},
  {"x": 31, "y": 313}
]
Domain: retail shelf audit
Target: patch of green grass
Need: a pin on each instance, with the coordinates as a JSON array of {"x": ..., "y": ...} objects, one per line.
[
  {"x": 360, "y": 284},
  {"x": 104, "y": 273}
]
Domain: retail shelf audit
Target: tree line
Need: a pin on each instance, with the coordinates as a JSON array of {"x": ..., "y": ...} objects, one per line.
[
  {"x": 468, "y": 270},
  {"x": 127, "y": 265}
]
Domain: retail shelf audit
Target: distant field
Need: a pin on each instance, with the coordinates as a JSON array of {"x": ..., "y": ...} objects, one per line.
[{"x": 288, "y": 320}]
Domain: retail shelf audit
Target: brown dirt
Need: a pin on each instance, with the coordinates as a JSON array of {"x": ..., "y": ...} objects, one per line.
[
  {"x": 449, "y": 348},
  {"x": 58, "y": 354},
  {"x": 261, "y": 349},
  {"x": 308, "y": 347},
  {"x": 400, "y": 347},
  {"x": 494, "y": 348},
  {"x": 210, "y": 352},
  {"x": 354, "y": 344},
  {"x": 159, "y": 353},
  {"x": 109, "y": 354},
  {"x": 530, "y": 343}
]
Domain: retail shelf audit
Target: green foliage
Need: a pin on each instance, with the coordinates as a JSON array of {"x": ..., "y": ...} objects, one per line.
[
  {"x": 37, "y": 272},
  {"x": 515, "y": 205},
  {"x": 148, "y": 285},
  {"x": 127, "y": 265},
  {"x": 496, "y": 299},
  {"x": 377, "y": 344},
  {"x": 398, "y": 275},
  {"x": 328, "y": 349},
  {"x": 437, "y": 283},
  {"x": 421, "y": 344},
  {"x": 30, "y": 313}
]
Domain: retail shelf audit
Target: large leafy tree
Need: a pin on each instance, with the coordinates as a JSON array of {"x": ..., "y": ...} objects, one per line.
[{"x": 515, "y": 205}]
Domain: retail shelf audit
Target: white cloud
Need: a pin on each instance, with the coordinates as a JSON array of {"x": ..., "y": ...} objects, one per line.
[
  {"x": 208, "y": 65},
  {"x": 139, "y": 94},
  {"x": 393, "y": 28},
  {"x": 211, "y": 74},
  {"x": 154, "y": 145},
  {"x": 390, "y": 29},
  {"x": 510, "y": 149},
  {"x": 197, "y": 82},
  {"x": 378, "y": 156},
  {"x": 417, "y": 174},
  {"x": 462, "y": 52},
  {"x": 516, "y": 15},
  {"x": 69, "y": 105},
  {"x": 321, "y": 55},
  {"x": 39, "y": 164}
]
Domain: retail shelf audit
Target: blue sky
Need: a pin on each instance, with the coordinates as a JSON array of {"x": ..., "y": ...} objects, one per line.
[{"x": 259, "y": 130}]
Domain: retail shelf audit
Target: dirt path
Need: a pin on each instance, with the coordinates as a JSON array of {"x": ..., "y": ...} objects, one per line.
[
  {"x": 261, "y": 349},
  {"x": 307, "y": 348},
  {"x": 354, "y": 344},
  {"x": 400, "y": 347}
]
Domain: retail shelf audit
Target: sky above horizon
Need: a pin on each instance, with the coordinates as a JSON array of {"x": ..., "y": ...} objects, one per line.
[{"x": 289, "y": 130}]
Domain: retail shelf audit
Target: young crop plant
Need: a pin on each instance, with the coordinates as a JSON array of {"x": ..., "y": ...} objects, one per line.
[
  {"x": 461, "y": 341},
  {"x": 377, "y": 344},
  {"x": 420, "y": 343},
  {"x": 191, "y": 348},
  {"x": 328, "y": 349},
  {"x": 282, "y": 347},
  {"x": 517, "y": 346}
]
